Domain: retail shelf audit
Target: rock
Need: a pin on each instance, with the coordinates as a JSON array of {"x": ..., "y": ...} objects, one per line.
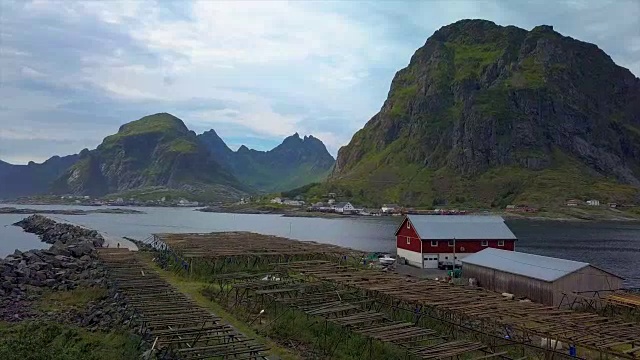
[
  {"x": 82, "y": 249},
  {"x": 32, "y": 256},
  {"x": 68, "y": 264},
  {"x": 530, "y": 107}
]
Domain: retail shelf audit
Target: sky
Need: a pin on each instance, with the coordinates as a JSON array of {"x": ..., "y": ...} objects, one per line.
[{"x": 72, "y": 72}]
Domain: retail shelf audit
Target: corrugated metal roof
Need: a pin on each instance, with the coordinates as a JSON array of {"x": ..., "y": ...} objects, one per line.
[
  {"x": 534, "y": 266},
  {"x": 461, "y": 227}
]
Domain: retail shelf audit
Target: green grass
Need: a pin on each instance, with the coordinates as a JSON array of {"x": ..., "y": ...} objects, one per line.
[
  {"x": 53, "y": 341},
  {"x": 471, "y": 60},
  {"x": 400, "y": 99},
  {"x": 182, "y": 145},
  {"x": 161, "y": 124},
  {"x": 71, "y": 299},
  {"x": 530, "y": 74},
  {"x": 332, "y": 339},
  {"x": 387, "y": 176},
  {"x": 193, "y": 288},
  {"x": 208, "y": 194},
  {"x": 153, "y": 123}
]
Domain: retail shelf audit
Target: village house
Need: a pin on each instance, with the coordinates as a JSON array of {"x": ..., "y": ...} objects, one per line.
[
  {"x": 430, "y": 241},
  {"x": 293, "y": 202},
  {"x": 343, "y": 208},
  {"x": 573, "y": 202},
  {"x": 276, "y": 200},
  {"x": 187, "y": 203},
  {"x": 593, "y": 202},
  {"x": 389, "y": 208}
]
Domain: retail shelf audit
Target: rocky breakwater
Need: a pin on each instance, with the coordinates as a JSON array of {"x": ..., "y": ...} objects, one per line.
[{"x": 70, "y": 263}]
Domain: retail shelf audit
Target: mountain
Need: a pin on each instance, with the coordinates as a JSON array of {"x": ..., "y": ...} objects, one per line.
[
  {"x": 155, "y": 151},
  {"x": 30, "y": 179},
  {"x": 492, "y": 115},
  {"x": 295, "y": 162}
]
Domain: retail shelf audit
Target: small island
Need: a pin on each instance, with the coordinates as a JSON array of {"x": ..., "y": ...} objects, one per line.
[{"x": 13, "y": 210}]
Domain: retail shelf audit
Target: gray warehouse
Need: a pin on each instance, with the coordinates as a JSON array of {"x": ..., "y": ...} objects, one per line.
[{"x": 539, "y": 278}]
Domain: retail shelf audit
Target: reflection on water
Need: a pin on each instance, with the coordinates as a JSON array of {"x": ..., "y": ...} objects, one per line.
[{"x": 612, "y": 246}]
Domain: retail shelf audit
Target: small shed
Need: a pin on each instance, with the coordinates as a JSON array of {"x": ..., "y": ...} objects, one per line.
[{"x": 539, "y": 278}]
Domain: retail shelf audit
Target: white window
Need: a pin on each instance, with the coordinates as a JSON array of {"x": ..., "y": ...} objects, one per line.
[
  {"x": 434, "y": 243},
  {"x": 501, "y": 243},
  {"x": 408, "y": 225},
  {"x": 451, "y": 243},
  {"x": 485, "y": 243},
  {"x": 408, "y": 240}
]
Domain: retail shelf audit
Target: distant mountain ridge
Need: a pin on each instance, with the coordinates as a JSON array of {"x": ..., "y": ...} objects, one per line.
[
  {"x": 33, "y": 178},
  {"x": 158, "y": 153},
  {"x": 491, "y": 115},
  {"x": 295, "y": 162}
]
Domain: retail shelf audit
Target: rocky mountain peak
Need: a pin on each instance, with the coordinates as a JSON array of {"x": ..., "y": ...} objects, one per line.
[
  {"x": 160, "y": 122},
  {"x": 479, "y": 97}
]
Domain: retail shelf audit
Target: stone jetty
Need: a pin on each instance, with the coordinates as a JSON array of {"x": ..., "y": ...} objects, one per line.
[{"x": 70, "y": 262}]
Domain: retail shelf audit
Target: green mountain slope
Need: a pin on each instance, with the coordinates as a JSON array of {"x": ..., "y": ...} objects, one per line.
[
  {"x": 155, "y": 151},
  {"x": 295, "y": 162},
  {"x": 491, "y": 115}
]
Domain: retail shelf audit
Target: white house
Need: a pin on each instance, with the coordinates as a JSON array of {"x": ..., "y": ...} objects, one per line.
[
  {"x": 276, "y": 200},
  {"x": 187, "y": 203},
  {"x": 389, "y": 208},
  {"x": 343, "y": 208},
  {"x": 593, "y": 202},
  {"x": 293, "y": 202}
]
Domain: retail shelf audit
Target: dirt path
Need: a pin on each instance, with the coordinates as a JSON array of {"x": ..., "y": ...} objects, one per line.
[{"x": 112, "y": 242}]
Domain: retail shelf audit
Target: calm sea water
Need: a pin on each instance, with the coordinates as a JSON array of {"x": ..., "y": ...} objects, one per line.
[{"x": 612, "y": 246}]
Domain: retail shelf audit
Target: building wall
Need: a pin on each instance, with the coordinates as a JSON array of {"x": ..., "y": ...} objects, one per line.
[
  {"x": 521, "y": 286},
  {"x": 449, "y": 257},
  {"x": 413, "y": 258},
  {"x": 408, "y": 239},
  {"x": 589, "y": 280},
  {"x": 465, "y": 246},
  {"x": 548, "y": 293}
]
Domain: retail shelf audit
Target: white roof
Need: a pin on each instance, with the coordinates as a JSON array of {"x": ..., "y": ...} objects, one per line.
[
  {"x": 461, "y": 227},
  {"x": 534, "y": 266}
]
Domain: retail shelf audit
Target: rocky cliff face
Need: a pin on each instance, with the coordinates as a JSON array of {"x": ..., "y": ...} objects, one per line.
[
  {"x": 295, "y": 162},
  {"x": 482, "y": 107},
  {"x": 155, "y": 151},
  {"x": 30, "y": 179}
]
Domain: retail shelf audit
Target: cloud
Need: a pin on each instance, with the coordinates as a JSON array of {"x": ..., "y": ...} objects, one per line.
[{"x": 255, "y": 71}]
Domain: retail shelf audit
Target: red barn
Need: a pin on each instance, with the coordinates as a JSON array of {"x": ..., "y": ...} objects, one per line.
[{"x": 428, "y": 240}]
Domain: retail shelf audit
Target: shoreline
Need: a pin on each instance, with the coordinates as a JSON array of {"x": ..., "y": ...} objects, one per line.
[
  {"x": 580, "y": 215},
  {"x": 28, "y": 211},
  {"x": 550, "y": 216}
]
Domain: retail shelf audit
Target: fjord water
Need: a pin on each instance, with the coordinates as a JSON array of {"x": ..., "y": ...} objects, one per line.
[{"x": 613, "y": 246}]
